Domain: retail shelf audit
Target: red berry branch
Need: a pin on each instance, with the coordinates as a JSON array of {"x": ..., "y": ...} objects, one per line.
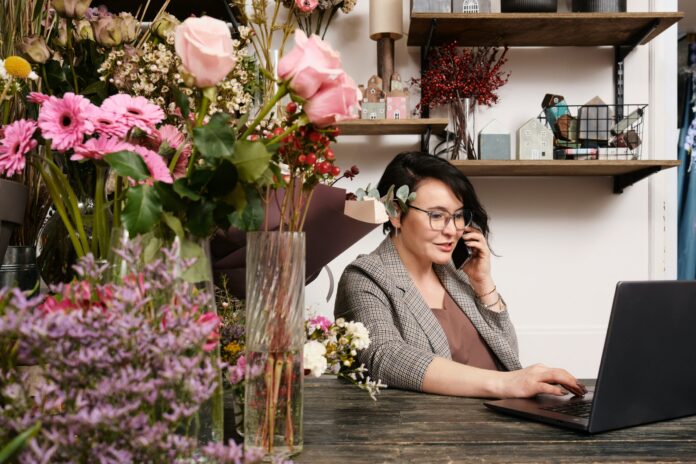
[{"x": 453, "y": 74}]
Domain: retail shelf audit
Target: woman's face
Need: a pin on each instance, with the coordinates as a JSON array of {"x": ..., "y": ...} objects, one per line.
[{"x": 415, "y": 232}]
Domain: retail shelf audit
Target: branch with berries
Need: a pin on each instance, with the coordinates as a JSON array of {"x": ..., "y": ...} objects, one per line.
[{"x": 455, "y": 73}]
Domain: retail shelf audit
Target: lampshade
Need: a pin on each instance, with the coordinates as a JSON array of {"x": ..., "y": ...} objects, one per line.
[{"x": 386, "y": 19}]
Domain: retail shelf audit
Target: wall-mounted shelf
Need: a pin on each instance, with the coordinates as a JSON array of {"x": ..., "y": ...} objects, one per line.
[
  {"x": 540, "y": 29},
  {"x": 625, "y": 173},
  {"x": 392, "y": 127}
]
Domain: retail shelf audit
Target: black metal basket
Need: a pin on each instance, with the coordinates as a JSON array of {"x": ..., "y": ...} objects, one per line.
[
  {"x": 528, "y": 6},
  {"x": 596, "y": 131}
]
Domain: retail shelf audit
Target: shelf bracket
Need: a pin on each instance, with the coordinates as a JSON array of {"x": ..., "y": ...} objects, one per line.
[
  {"x": 625, "y": 180},
  {"x": 425, "y": 111},
  {"x": 620, "y": 54}
]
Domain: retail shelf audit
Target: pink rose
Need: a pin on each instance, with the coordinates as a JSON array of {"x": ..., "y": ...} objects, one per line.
[
  {"x": 311, "y": 63},
  {"x": 306, "y": 6},
  {"x": 206, "y": 50},
  {"x": 336, "y": 100}
]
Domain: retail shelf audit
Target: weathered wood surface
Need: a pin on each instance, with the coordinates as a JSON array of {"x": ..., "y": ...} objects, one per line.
[{"x": 342, "y": 424}]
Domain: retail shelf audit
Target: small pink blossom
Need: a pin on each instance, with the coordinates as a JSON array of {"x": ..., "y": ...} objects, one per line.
[
  {"x": 306, "y": 6},
  {"x": 18, "y": 140},
  {"x": 135, "y": 111},
  {"x": 98, "y": 147},
  {"x": 154, "y": 162},
  {"x": 175, "y": 139},
  {"x": 236, "y": 372},
  {"x": 320, "y": 322},
  {"x": 38, "y": 98},
  {"x": 210, "y": 321},
  {"x": 66, "y": 121}
]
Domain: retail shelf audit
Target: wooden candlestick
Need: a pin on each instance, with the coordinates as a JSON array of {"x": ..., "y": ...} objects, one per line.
[{"x": 385, "y": 61}]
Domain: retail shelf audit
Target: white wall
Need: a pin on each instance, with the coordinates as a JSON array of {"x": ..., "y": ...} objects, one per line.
[{"x": 563, "y": 242}]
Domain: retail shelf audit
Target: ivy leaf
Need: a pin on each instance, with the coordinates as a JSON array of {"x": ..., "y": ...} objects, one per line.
[
  {"x": 181, "y": 187},
  {"x": 251, "y": 159},
  {"x": 215, "y": 139},
  {"x": 174, "y": 223},
  {"x": 143, "y": 209},
  {"x": 200, "y": 271},
  {"x": 128, "y": 164},
  {"x": 250, "y": 216}
]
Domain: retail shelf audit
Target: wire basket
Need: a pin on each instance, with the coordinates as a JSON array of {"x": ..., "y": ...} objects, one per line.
[{"x": 595, "y": 131}]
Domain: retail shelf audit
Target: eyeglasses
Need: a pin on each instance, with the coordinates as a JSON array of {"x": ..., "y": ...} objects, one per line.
[{"x": 440, "y": 219}]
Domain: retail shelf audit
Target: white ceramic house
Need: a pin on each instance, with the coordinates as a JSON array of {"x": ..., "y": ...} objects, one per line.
[
  {"x": 465, "y": 6},
  {"x": 494, "y": 142},
  {"x": 534, "y": 141}
]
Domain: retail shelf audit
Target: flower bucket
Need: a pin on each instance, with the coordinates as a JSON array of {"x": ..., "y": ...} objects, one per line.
[
  {"x": 275, "y": 337},
  {"x": 13, "y": 200},
  {"x": 19, "y": 268}
]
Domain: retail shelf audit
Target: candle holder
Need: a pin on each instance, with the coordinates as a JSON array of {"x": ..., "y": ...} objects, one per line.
[{"x": 386, "y": 27}]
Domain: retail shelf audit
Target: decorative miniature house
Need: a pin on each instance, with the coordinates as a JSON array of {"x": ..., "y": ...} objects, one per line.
[
  {"x": 373, "y": 103},
  {"x": 465, "y": 6},
  {"x": 594, "y": 121},
  {"x": 432, "y": 6},
  {"x": 397, "y": 99},
  {"x": 534, "y": 141},
  {"x": 494, "y": 142},
  {"x": 554, "y": 107}
]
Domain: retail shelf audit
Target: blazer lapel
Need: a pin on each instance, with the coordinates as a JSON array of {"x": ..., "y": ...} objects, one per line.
[
  {"x": 413, "y": 300},
  {"x": 463, "y": 295}
]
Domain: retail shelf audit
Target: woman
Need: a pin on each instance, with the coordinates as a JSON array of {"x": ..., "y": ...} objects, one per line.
[{"x": 435, "y": 328}]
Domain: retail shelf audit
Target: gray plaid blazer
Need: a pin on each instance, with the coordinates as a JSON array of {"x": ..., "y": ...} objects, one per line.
[{"x": 405, "y": 335}]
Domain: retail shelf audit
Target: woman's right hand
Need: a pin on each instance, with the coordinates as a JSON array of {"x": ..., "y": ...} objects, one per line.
[{"x": 535, "y": 379}]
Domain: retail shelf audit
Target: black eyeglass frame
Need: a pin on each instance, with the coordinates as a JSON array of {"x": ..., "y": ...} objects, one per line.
[{"x": 450, "y": 217}]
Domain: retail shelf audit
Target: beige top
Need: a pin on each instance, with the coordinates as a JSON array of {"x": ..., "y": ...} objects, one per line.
[{"x": 465, "y": 343}]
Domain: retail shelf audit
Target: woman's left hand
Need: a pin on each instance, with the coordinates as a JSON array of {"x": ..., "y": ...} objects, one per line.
[{"x": 478, "y": 266}]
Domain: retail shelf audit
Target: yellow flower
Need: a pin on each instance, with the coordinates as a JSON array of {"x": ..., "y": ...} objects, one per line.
[
  {"x": 233, "y": 348},
  {"x": 17, "y": 66}
]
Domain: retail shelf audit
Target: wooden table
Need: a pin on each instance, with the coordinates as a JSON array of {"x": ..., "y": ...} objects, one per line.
[{"x": 342, "y": 424}]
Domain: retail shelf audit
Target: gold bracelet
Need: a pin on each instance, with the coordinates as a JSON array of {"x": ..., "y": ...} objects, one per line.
[
  {"x": 489, "y": 307},
  {"x": 485, "y": 294}
]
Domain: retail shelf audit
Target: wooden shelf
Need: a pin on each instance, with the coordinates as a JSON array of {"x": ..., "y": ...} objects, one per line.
[
  {"x": 625, "y": 173},
  {"x": 392, "y": 127},
  {"x": 541, "y": 29}
]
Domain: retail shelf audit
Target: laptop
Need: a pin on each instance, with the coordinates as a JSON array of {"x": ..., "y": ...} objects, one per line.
[{"x": 648, "y": 367}]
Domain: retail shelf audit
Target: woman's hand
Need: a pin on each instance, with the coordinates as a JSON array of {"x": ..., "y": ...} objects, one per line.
[
  {"x": 535, "y": 379},
  {"x": 478, "y": 266}
]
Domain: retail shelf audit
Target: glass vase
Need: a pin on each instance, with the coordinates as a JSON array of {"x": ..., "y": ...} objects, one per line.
[
  {"x": 275, "y": 273},
  {"x": 462, "y": 124},
  {"x": 208, "y": 425}
]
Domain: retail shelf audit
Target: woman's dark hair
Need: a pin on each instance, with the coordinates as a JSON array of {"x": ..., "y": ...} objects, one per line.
[{"x": 410, "y": 168}]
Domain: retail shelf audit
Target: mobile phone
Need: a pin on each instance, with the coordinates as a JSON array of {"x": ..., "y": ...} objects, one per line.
[{"x": 460, "y": 254}]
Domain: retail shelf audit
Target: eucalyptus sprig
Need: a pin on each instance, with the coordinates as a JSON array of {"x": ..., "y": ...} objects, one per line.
[{"x": 402, "y": 197}]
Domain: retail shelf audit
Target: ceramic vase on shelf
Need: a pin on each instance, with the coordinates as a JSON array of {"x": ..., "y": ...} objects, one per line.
[
  {"x": 275, "y": 281},
  {"x": 462, "y": 129}
]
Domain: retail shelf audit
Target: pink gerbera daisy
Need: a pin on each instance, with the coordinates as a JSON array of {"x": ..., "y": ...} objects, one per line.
[
  {"x": 136, "y": 111},
  {"x": 110, "y": 124},
  {"x": 155, "y": 164},
  {"x": 16, "y": 143},
  {"x": 38, "y": 98},
  {"x": 66, "y": 120},
  {"x": 175, "y": 139},
  {"x": 98, "y": 147}
]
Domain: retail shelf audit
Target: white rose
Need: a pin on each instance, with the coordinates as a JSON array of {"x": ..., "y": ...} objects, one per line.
[
  {"x": 360, "y": 335},
  {"x": 314, "y": 359}
]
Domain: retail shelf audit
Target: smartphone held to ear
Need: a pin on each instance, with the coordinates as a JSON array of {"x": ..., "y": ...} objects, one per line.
[{"x": 460, "y": 254}]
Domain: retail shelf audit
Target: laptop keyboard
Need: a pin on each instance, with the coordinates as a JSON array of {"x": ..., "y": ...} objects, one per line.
[{"x": 576, "y": 408}]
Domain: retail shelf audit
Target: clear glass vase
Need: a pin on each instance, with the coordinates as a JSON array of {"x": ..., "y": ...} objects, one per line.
[
  {"x": 208, "y": 425},
  {"x": 275, "y": 336},
  {"x": 462, "y": 124}
]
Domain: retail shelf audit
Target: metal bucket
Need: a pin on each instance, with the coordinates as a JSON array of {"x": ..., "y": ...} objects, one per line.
[
  {"x": 528, "y": 6},
  {"x": 19, "y": 268},
  {"x": 604, "y": 6}
]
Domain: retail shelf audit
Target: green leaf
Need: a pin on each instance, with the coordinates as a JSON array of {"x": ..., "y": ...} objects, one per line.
[
  {"x": 200, "y": 271},
  {"x": 97, "y": 88},
  {"x": 215, "y": 139},
  {"x": 181, "y": 187},
  {"x": 241, "y": 122},
  {"x": 171, "y": 200},
  {"x": 391, "y": 209},
  {"x": 181, "y": 102},
  {"x": 128, "y": 164},
  {"x": 224, "y": 180},
  {"x": 174, "y": 223},
  {"x": 251, "y": 159},
  {"x": 250, "y": 217},
  {"x": 153, "y": 245},
  {"x": 143, "y": 209},
  {"x": 18, "y": 442},
  {"x": 412, "y": 197},
  {"x": 238, "y": 197},
  {"x": 361, "y": 194},
  {"x": 199, "y": 178},
  {"x": 402, "y": 193},
  {"x": 200, "y": 219}
]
